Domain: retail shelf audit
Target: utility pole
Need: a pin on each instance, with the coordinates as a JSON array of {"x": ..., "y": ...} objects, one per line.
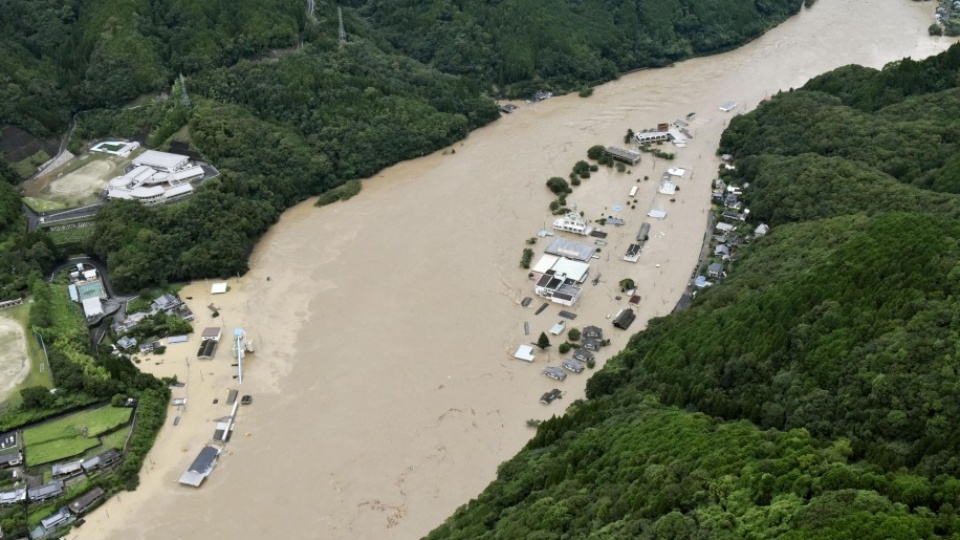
[{"x": 342, "y": 35}]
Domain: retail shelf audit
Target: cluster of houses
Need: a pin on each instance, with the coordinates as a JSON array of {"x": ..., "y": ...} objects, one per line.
[
  {"x": 65, "y": 515},
  {"x": 59, "y": 477},
  {"x": 592, "y": 341},
  {"x": 726, "y": 237},
  {"x": 169, "y": 304}
]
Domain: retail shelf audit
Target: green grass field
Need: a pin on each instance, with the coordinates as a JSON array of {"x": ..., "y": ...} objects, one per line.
[
  {"x": 71, "y": 236},
  {"x": 43, "y": 205},
  {"x": 27, "y": 167},
  {"x": 65, "y": 437},
  {"x": 116, "y": 440},
  {"x": 55, "y": 450}
]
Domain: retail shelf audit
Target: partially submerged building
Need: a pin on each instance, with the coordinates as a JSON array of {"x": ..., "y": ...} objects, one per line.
[
  {"x": 624, "y": 318},
  {"x": 558, "y": 288},
  {"x": 582, "y": 355},
  {"x": 576, "y": 251},
  {"x": 621, "y": 154},
  {"x": 201, "y": 467},
  {"x": 555, "y": 373},
  {"x": 572, "y": 222},
  {"x": 573, "y": 366}
]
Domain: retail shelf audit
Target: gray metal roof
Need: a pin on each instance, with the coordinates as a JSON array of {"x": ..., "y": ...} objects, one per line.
[
  {"x": 81, "y": 504},
  {"x": 570, "y": 249},
  {"x": 201, "y": 467},
  {"x": 45, "y": 491}
]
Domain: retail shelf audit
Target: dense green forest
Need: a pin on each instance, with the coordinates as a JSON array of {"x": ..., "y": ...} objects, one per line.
[
  {"x": 814, "y": 392},
  {"x": 516, "y": 45}
]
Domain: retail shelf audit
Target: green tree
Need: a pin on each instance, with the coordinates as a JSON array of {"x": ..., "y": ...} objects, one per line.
[{"x": 543, "y": 341}]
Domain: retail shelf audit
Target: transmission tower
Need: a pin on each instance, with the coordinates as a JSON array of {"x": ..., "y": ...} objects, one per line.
[
  {"x": 343, "y": 33},
  {"x": 183, "y": 88}
]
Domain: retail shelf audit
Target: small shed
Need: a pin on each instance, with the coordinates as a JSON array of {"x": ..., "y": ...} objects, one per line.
[
  {"x": 218, "y": 288},
  {"x": 558, "y": 328}
]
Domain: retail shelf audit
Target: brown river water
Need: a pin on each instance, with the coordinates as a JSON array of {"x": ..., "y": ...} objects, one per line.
[{"x": 385, "y": 395}]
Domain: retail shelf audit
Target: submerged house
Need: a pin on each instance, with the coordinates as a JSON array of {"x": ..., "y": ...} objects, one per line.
[{"x": 624, "y": 318}]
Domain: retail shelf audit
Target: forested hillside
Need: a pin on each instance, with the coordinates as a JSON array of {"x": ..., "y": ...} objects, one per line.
[
  {"x": 516, "y": 45},
  {"x": 813, "y": 393}
]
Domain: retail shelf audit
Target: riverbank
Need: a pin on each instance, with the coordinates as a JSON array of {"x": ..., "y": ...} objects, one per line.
[{"x": 385, "y": 394}]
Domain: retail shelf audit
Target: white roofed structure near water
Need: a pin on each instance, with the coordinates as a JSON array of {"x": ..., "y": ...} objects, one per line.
[
  {"x": 575, "y": 270},
  {"x": 667, "y": 187},
  {"x": 525, "y": 353},
  {"x": 545, "y": 264},
  {"x": 201, "y": 467}
]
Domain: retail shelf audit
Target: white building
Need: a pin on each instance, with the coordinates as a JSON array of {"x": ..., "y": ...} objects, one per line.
[
  {"x": 157, "y": 177},
  {"x": 92, "y": 307},
  {"x": 161, "y": 161},
  {"x": 647, "y": 137},
  {"x": 558, "y": 288},
  {"x": 575, "y": 271},
  {"x": 573, "y": 223}
]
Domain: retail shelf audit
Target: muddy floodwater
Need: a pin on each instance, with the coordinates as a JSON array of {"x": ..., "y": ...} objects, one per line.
[{"x": 385, "y": 392}]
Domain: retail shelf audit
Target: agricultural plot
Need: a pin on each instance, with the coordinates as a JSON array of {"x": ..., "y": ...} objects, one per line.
[{"x": 71, "y": 435}]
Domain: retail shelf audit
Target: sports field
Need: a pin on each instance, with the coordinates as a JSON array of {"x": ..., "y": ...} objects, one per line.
[
  {"x": 14, "y": 361},
  {"x": 78, "y": 182}
]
